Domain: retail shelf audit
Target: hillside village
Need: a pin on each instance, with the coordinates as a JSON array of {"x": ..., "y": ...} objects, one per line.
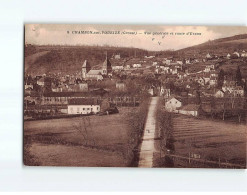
[{"x": 208, "y": 84}]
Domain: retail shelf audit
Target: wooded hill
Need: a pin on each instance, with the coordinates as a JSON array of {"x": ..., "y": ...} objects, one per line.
[{"x": 69, "y": 59}]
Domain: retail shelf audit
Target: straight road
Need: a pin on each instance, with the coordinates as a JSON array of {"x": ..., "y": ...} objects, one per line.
[{"x": 147, "y": 146}]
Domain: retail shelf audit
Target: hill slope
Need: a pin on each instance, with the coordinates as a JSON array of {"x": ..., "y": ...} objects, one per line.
[
  {"x": 69, "y": 59},
  {"x": 218, "y": 46}
]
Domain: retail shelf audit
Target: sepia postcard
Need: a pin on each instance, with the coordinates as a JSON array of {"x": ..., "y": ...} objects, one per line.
[{"x": 147, "y": 96}]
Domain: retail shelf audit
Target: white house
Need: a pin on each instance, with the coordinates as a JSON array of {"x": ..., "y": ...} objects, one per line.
[
  {"x": 237, "y": 54},
  {"x": 28, "y": 86},
  {"x": 165, "y": 68},
  {"x": 41, "y": 82},
  {"x": 208, "y": 56},
  {"x": 172, "y": 104},
  {"x": 83, "y": 106},
  {"x": 127, "y": 66},
  {"x": 238, "y": 91},
  {"x": 213, "y": 81},
  {"x": 180, "y": 62},
  {"x": 168, "y": 61},
  {"x": 228, "y": 56},
  {"x": 137, "y": 65},
  {"x": 118, "y": 67},
  {"x": 244, "y": 54},
  {"x": 219, "y": 94}
]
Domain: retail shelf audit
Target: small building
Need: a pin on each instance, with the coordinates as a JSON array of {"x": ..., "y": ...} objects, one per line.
[
  {"x": 237, "y": 54},
  {"x": 243, "y": 54},
  {"x": 118, "y": 67},
  {"x": 83, "y": 86},
  {"x": 209, "y": 56},
  {"x": 127, "y": 66},
  {"x": 28, "y": 86},
  {"x": 137, "y": 65},
  {"x": 238, "y": 91},
  {"x": 213, "y": 81},
  {"x": 41, "y": 81},
  {"x": 180, "y": 62},
  {"x": 219, "y": 94},
  {"x": 190, "y": 109},
  {"x": 120, "y": 85},
  {"x": 172, "y": 104},
  {"x": 83, "y": 106},
  {"x": 117, "y": 56}
]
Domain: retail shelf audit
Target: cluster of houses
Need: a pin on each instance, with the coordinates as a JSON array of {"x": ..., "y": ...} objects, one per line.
[{"x": 68, "y": 89}]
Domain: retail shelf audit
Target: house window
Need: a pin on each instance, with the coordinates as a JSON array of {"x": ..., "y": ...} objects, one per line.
[
  {"x": 83, "y": 108},
  {"x": 78, "y": 109},
  {"x": 88, "y": 108}
]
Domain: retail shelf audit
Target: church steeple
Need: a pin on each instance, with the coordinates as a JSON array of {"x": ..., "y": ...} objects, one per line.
[
  {"x": 106, "y": 67},
  {"x": 85, "y": 69}
]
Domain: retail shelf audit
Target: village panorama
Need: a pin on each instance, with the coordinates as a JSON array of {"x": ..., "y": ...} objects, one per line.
[{"x": 106, "y": 106}]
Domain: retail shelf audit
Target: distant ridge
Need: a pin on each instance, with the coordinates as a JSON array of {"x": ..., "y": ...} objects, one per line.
[{"x": 220, "y": 46}]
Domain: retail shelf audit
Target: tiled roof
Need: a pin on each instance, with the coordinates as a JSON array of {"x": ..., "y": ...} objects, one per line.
[
  {"x": 190, "y": 107},
  {"x": 83, "y": 101},
  {"x": 94, "y": 72}
]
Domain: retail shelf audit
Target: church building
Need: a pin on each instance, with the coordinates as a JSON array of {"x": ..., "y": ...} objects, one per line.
[{"x": 96, "y": 74}]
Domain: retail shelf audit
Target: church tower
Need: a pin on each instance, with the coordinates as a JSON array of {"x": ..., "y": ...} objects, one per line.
[
  {"x": 106, "y": 67},
  {"x": 85, "y": 69}
]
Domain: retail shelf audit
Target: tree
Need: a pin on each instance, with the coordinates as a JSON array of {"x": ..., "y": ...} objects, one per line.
[
  {"x": 221, "y": 79},
  {"x": 238, "y": 77},
  {"x": 84, "y": 128},
  {"x": 198, "y": 97}
]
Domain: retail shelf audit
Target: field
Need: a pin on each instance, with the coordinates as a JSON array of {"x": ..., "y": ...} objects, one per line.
[
  {"x": 65, "y": 142},
  {"x": 212, "y": 140}
]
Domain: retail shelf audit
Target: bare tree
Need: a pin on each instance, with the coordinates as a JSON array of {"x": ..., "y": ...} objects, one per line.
[{"x": 84, "y": 128}]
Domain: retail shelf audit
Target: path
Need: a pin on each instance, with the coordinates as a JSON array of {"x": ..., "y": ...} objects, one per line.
[{"x": 147, "y": 146}]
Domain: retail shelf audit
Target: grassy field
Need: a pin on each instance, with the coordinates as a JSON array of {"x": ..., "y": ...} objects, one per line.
[
  {"x": 212, "y": 140},
  {"x": 64, "y": 142}
]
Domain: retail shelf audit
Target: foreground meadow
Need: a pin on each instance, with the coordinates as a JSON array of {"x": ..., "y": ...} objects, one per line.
[{"x": 91, "y": 141}]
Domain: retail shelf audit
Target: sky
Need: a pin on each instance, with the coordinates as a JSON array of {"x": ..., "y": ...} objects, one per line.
[{"x": 161, "y": 37}]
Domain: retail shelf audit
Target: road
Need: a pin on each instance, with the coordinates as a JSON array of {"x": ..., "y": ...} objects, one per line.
[{"x": 147, "y": 145}]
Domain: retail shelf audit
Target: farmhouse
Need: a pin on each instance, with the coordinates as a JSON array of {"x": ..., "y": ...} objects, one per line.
[
  {"x": 83, "y": 106},
  {"x": 172, "y": 104}
]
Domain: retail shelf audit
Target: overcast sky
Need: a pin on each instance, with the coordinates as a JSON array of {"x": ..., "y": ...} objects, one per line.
[{"x": 58, "y": 34}]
